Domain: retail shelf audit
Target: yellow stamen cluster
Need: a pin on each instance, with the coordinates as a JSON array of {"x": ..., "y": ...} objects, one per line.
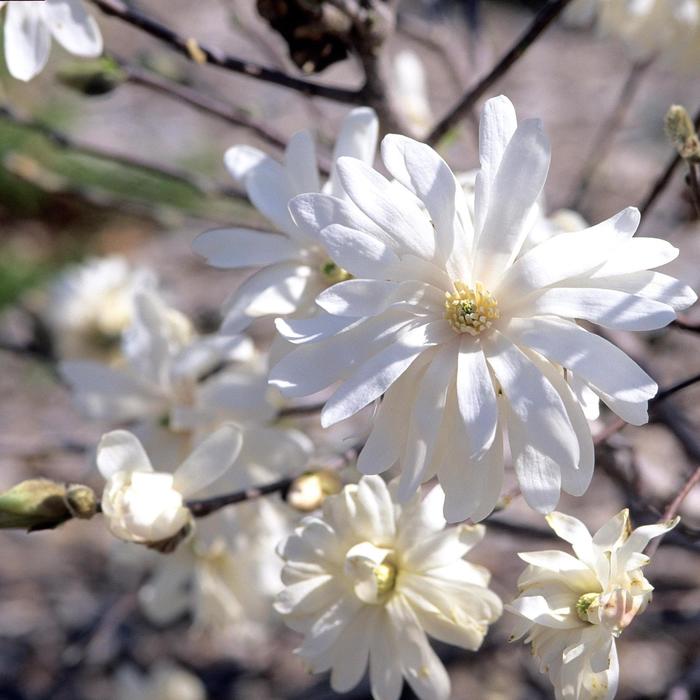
[
  {"x": 470, "y": 309},
  {"x": 334, "y": 273},
  {"x": 385, "y": 575}
]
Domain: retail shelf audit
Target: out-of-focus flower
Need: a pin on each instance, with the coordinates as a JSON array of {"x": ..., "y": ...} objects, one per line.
[
  {"x": 90, "y": 305},
  {"x": 410, "y": 92},
  {"x": 369, "y": 579},
  {"x": 145, "y": 506},
  {"x": 29, "y": 27},
  {"x": 669, "y": 29},
  {"x": 309, "y": 490},
  {"x": 467, "y": 338},
  {"x": 295, "y": 266},
  {"x": 165, "y": 681},
  {"x": 573, "y": 608}
]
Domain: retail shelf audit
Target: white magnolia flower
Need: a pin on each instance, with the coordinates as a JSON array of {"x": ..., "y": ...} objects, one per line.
[
  {"x": 295, "y": 267},
  {"x": 165, "y": 681},
  {"x": 366, "y": 581},
  {"x": 410, "y": 91},
  {"x": 573, "y": 608},
  {"x": 30, "y": 25},
  {"x": 666, "y": 28},
  {"x": 227, "y": 575},
  {"x": 91, "y": 304},
  {"x": 468, "y": 340},
  {"x": 175, "y": 386},
  {"x": 146, "y": 506}
]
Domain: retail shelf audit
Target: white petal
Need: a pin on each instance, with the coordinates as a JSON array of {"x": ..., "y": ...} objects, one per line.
[
  {"x": 300, "y": 163},
  {"x": 384, "y": 669},
  {"x": 376, "y": 375},
  {"x": 240, "y": 247},
  {"x": 518, "y": 184},
  {"x": 638, "y": 254},
  {"x": 239, "y": 160},
  {"x": 537, "y": 608},
  {"x": 351, "y": 651},
  {"x": 356, "y": 297},
  {"x": 573, "y": 531},
  {"x": 640, "y": 538},
  {"x": 624, "y": 384},
  {"x": 308, "y": 330},
  {"x": 360, "y": 253},
  {"x": 27, "y": 40},
  {"x": 209, "y": 460},
  {"x": 121, "y": 451},
  {"x": 73, "y": 27}
]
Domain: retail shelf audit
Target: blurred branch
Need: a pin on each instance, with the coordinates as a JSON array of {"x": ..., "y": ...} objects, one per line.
[
  {"x": 194, "y": 51},
  {"x": 204, "y": 103},
  {"x": 606, "y": 134},
  {"x": 542, "y": 20},
  {"x": 198, "y": 184},
  {"x": 664, "y": 178},
  {"x": 683, "y": 323}
]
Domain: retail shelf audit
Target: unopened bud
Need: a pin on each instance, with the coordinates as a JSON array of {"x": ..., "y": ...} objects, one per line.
[
  {"x": 681, "y": 131},
  {"x": 42, "y": 504},
  {"x": 309, "y": 490},
  {"x": 96, "y": 77}
]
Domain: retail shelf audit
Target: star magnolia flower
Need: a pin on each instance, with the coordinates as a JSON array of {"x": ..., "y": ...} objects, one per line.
[
  {"x": 366, "y": 581},
  {"x": 468, "y": 340},
  {"x": 90, "y": 305},
  {"x": 145, "y": 506},
  {"x": 295, "y": 266},
  {"x": 163, "y": 682},
  {"x": 670, "y": 28},
  {"x": 573, "y": 608},
  {"x": 29, "y": 26}
]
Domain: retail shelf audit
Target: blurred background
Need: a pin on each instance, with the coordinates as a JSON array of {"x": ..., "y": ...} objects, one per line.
[{"x": 97, "y": 166}]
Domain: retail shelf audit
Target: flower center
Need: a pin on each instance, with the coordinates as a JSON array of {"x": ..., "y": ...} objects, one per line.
[
  {"x": 334, "y": 273},
  {"x": 372, "y": 572},
  {"x": 614, "y": 610},
  {"x": 470, "y": 309}
]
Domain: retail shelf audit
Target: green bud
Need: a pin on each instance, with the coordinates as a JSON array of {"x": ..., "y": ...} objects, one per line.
[
  {"x": 681, "y": 131},
  {"x": 95, "y": 77},
  {"x": 42, "y": 504}
]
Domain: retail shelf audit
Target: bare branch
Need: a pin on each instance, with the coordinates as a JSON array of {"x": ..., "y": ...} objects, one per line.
[
  {"x": 194, "y": 51},
  {"x": 542, "y": 20}
]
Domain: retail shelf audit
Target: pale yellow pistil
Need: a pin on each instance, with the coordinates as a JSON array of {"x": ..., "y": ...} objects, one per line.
[
  {"x": 385, "y": 576},
  {"x": 470, "y": 309},
  {"x": 334, "y": 273}
]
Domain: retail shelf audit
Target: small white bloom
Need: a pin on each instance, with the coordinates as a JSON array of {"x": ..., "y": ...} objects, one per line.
[
  {"x": 369, "y": 578},
  {"x": 295, "y": 267},
  {"x": 410, "y": 92},
  {"x": 30, "y": 25},
  {"x": 145, "y": 506},
  {"x": 469, "y": 339},
  {"x": 90, "y": 305},
  {"x": 165, "y": 681},
  {"x": 573, "y": 608}
]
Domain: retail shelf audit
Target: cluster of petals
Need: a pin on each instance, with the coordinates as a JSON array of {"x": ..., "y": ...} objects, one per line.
[
  {"x": 470, "y": 336},
  {"x": 30, "y": 26},
  {"x": 572, "y": 608},
  {"x": 368, "y": 578},
  {"x": 294, "y": 266},
  {"x": 147, "y": 506}
]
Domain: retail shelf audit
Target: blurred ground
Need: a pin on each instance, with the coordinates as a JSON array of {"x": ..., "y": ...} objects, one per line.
[{"x": 68, "y": 619}]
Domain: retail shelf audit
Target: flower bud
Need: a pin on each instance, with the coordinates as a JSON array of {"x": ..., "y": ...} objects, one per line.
[
  {"x": 309, "y": 490},
  {"x": 42, "y": 504},
  {"x": 681, "y": 131}
]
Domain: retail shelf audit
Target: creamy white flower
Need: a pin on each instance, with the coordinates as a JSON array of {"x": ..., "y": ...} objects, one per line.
[
  {"x": 146, "y": 506},
  {"x": 30, "y": 25},
  {"x": 295, "y": 267},
  {"x": 573, "y": 608},
  {"x": 468, "y": 340},
  {"x": 91, "y": 304},
  {"x": 165, "y": 681},
  {"x": 368, "y": 579},
  {"x": 669, "y": 29},
  {"x": 409, "y": 92}
]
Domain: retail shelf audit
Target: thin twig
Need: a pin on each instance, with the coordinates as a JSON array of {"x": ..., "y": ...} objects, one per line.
[
  {"x": 606, "y": 135},
  {"x": 694, "y": 187},
  {"x": 199, "y": 53},
  {"x": 683, "y": 323},
  {"x": 542, "y": 20},
  {"x": 662, "y": 181}
]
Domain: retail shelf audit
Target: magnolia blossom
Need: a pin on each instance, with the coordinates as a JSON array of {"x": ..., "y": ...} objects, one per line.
[
  {"x": 295, "y": 266},
  {"x": 469, "y": 339},
  {"x": 163, "y": 682},
  {"x": 30, "y": 25},
  {"x": 573, "y": 608},
  {"x": 90, "y": 305},
  {"x": 369, "y": 578},
  {"x": 146, "y": 506},
  {"x": 669, "y": 28}
]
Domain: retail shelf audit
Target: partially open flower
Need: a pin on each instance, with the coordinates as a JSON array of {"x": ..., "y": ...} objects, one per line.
[
  {"x": 145, "y": 506},
  {"x": 573, "y": 608}
]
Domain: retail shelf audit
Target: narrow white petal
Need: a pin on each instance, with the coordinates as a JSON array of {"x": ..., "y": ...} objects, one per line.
[
  {"x": 573, "y": 531},
  {"x": 308, "y": 330},
  {"x": 360, "y": 253},
  {"x": 121, "y": 451},
  {"x": 638, "y": 254},
  {"x": 27, "y": 40},
  {"x": 240, "y": 247},
  {"x": 73, "y": 27},
  {"x": 356, "y": 297},
  {"x": 300, "y": 163},
  {"x": 240, "y": 160}
]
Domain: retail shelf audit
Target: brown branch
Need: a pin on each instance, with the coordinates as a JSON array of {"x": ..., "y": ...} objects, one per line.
[
  {"x": 683, "y": 323},
  {"x": 664, "y": 178},
  {"x": 694, "y": 187},
  {"x": 542, "y": 20},
  {"x": 199, "y": 53}
]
